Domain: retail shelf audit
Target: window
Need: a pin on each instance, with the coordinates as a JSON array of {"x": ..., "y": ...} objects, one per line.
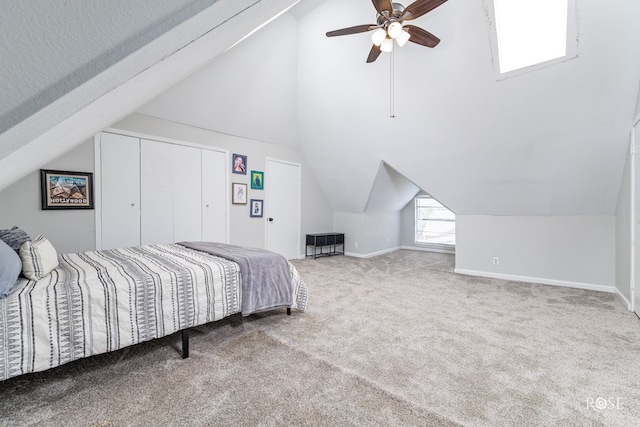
[
  {"x": 435, "y": 224},
  {"x": 531, "y": 32}
]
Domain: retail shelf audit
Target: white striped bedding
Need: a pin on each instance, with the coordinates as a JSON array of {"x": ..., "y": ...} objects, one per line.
[{"x": 100, "y": 301}]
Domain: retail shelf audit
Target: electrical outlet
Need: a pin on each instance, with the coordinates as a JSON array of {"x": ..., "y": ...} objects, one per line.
[
  {"x": 355, "y": 244},
  {"x": 496, "y": 260}
]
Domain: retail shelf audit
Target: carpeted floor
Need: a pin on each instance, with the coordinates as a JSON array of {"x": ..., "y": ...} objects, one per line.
[{"x": 393, "y": 340}]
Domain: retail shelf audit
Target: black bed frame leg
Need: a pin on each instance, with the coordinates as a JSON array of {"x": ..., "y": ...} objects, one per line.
[
  {"x": 185, "y": 343},
  {"x": 288, "y": 311}
]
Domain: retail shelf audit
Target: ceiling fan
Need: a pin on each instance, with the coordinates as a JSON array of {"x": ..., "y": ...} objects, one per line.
[{"x": 391, "y": 26}]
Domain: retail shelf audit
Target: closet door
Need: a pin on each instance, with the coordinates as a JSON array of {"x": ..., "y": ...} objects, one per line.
[
  {"x": 214, "y": 196},
  {"x": 156, "y": 192},
  {"x": 120, "y": 189},
  {"x": 187, "y": 193}
]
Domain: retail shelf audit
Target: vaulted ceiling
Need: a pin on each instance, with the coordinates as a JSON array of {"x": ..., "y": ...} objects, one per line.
[{"x": 547, "y": 142}]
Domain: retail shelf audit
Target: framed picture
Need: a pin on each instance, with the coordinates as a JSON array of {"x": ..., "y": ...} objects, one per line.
[
  {"x": 256, "y": 208},
  {"x": 239, "y": 164},
  {"x": 239, "y": 193},
  {"x": 257, "y": 180},
  {"x": 66, "y": 190}
]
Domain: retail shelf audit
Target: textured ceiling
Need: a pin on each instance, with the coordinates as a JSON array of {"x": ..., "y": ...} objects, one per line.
[
  {"x": 55, "y": 46},
  {"x": 72, "y": 68}
]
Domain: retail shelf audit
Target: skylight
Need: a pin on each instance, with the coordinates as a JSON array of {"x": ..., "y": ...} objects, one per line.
[{"x": 530, "y": 32}]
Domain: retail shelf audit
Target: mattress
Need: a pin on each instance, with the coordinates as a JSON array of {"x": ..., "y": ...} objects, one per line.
[{"x": 99, "y": 301}]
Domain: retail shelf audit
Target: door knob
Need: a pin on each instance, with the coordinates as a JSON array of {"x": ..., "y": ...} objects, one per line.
[{"x": 270, "y": 219}]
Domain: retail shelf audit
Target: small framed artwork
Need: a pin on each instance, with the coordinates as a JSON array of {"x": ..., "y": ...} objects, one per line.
[
  {"x": 239, "y": 164},
  {"x": 257, "y": 180},
  {"x": 239, "y": 193},
  {"x": 256, "y": 208},
  {"x": 66, "y": 190}
]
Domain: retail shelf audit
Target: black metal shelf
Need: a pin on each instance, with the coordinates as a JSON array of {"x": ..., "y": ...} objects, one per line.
[{"x": 334, "y": 242}]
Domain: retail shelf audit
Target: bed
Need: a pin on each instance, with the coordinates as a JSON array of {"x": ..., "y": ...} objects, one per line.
[{"x": 100, "y": 301}]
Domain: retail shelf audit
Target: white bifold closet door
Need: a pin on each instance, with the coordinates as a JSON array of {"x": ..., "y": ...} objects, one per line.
[
  {"x": 171, "y": 192},
  {"x": 160, "y": 192},
  {"x": 187, "y": 194},
  {"x": 156, "y": 192},
  {"x": 120, "y": 191}
]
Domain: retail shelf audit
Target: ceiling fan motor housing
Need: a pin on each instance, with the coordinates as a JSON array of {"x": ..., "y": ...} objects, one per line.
[{"x": 395, "y": 15}]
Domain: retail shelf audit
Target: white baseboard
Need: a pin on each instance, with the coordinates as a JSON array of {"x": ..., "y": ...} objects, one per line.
[
  {"x": 624, "y": 299},
  {"x": 371, "y": 255},
  {"x": 552, "y": 282}
]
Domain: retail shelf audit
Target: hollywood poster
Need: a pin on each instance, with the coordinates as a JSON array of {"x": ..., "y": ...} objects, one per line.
[{"x": 66, "y": 190}]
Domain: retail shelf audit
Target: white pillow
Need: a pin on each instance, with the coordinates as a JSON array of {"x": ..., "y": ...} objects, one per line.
[{"x": 39, "y": 258}]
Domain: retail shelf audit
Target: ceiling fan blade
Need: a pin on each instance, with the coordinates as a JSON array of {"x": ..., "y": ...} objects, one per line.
[
  {"x": 381, "y": 5},
  {"x": 419, "y": 8},
  {"x": 422, "y": 37},
  {"x": 373, "y": 55},
  {"x": 351, "y": 30}
]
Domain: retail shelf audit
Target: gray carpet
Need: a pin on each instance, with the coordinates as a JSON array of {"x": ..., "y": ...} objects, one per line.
[{"x": 394, "y": 340}]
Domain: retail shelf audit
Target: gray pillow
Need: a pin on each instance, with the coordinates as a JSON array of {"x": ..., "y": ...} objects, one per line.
[
  {"x": 10, "y": 268},
  {"x": 14, "y": 237}
]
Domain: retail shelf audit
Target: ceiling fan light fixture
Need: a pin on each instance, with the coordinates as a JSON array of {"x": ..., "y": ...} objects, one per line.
[
  {"x": 389, "y": 26},
  {"x": 378, "y": 36},
  {"x": 403, "y": 38},
  {"x": 395, "y": 29},
  {"x": 387, "y": 45}
]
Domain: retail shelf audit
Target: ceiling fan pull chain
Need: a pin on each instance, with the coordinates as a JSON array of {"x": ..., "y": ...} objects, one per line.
[{"x": 392, "y": 112}]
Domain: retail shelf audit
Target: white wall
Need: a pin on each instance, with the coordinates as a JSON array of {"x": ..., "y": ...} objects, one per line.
[
  {"x": 68, "y": 230},
  {"x": 636, "y": 219},
  {"x": 576, "y": 251},
  {"x": 74, "y": 231},
  {"x": 373, "y": 232},
  {"x": 408, "y": 225},
  {"x": 623, "y": 236},
  {"x": 317, "y": 213}
]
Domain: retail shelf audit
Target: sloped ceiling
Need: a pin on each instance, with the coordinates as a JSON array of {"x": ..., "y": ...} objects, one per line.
[
  {"x": 54, "y": 46},
  {"x": 391, "y": 191},
  {"x": 249, "y": 91},
  {"x": 70, "y": 69},
  {"x": 549, "y": 142}
]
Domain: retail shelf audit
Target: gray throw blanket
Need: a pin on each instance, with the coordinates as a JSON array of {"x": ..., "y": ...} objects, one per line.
[{"x": 266, "y": 278}]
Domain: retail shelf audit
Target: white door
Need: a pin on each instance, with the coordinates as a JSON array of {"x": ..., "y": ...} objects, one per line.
[
  {"x": 156, "y": 192},
  {"x": 187, "y": 193},
  {"x": 214, "y": 196},
  {"x": 282, "y": 207},
  {"x": 120, "y": 191}
]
